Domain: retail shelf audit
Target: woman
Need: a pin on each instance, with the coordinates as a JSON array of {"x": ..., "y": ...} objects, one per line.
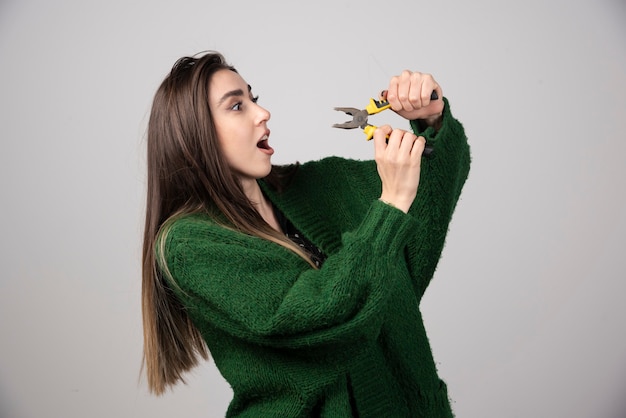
[{"x": 303, "y": 281}]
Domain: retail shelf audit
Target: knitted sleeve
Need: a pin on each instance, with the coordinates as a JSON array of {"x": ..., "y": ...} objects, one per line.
[
  {"x": 339, "y": 191},
  {"x": 442, "y": 177},
  {"x": 263, "y": 293}
]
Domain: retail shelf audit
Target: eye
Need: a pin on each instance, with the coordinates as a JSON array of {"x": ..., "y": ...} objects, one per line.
[{"x": 237, "y": 106}]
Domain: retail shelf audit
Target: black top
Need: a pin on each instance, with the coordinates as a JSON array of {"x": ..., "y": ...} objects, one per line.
[{"x": 290, "y": 231}]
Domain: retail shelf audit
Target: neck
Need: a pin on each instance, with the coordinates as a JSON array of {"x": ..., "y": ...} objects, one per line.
[{"x": 261, "y": 203}]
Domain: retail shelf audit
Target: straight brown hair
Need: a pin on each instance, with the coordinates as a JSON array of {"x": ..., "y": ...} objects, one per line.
[{"x": 187, "y": 173}]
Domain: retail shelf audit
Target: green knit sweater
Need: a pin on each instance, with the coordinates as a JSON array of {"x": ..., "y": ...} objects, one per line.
[{"x": 346, "y": 340}]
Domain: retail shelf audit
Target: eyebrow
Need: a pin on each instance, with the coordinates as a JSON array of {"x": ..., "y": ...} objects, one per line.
[{"x": 233, "y": 93}]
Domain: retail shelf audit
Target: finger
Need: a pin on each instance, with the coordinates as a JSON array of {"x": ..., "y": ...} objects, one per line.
[
  {"x": 429, "y": 85},
  {"x": 404, "y": 88},
  {"x": 394, "y": 141},
  {"x": 421, "y": 90},
  {"x": 408, "y": 142},
  {"x": 392, "y": 93},
  {"x": 418, "y": 147},
  {"x": 415, "y": 92},
  {"x": 380, "y": 138}
]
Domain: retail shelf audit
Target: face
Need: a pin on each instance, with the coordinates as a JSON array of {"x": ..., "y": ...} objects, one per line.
[{"x": 241, "y": 125}]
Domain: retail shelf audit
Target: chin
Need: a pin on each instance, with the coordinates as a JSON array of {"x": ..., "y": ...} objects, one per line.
[
  {"x": 260, "y": 174},
  {"x": 267, "y": 172}
]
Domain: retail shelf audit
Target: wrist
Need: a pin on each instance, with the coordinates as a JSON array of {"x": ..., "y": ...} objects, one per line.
[
  {"x": 396, "y": 203},
  {"x": 434, "y": 121}
]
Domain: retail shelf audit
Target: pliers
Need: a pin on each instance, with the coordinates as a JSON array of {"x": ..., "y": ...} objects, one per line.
[{"x": 359, "y": 118}]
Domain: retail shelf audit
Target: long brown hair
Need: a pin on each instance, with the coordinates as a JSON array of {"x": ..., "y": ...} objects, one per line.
[{"x": 187, "y": 173}]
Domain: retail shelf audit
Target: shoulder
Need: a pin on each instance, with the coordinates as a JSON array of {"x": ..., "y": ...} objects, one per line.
[
  {"x": 193, "y": 230},
  {"x": 198, "y": 242},
  {"x": 318, "y": 175},
  {"x": 336, "y": 169},
  {"x": 333, "y": 162},
  {"x": 186, "y": 225}
]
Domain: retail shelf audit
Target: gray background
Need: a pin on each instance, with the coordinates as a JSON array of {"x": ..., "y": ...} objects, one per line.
[{"x": 526, "y": 312}]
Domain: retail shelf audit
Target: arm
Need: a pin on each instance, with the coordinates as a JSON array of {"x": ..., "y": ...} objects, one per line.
[
  {"x": 260, "y": 292},
  {"x": 344, "y": 189},
  {"x": 397, "y": 152},
  {"x": 441, "y": 176}
]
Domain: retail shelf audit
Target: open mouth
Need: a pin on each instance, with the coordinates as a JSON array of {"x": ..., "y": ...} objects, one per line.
[{"x": 263, "y": 143}]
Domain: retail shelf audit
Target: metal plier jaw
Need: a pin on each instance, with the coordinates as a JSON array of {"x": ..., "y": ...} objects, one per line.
[{"x": 359, "y": 116}]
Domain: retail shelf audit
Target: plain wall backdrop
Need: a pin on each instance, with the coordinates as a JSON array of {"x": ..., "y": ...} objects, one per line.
[{"x": 526, "y": 313}]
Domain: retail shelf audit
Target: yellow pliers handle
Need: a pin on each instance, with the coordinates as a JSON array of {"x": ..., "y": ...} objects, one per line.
[
  {"x": 374, "y": 106},
  {"x": 377, "y": 106}
]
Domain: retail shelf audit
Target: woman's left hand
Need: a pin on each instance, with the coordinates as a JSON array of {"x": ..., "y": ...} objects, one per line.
[{"x": 409, "y": 96}]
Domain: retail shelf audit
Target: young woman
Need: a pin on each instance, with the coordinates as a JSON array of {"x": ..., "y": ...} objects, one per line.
[{"x": 302, "y": 281}]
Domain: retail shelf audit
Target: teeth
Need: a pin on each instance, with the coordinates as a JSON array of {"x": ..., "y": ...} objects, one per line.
[{"x": 265, "y": 137}]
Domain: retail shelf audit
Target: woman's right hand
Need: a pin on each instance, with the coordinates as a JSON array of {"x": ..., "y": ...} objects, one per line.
[{"x": 398, "y": 160}]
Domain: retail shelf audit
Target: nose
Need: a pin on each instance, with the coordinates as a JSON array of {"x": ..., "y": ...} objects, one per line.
[{"x": 263, "y": 114}]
